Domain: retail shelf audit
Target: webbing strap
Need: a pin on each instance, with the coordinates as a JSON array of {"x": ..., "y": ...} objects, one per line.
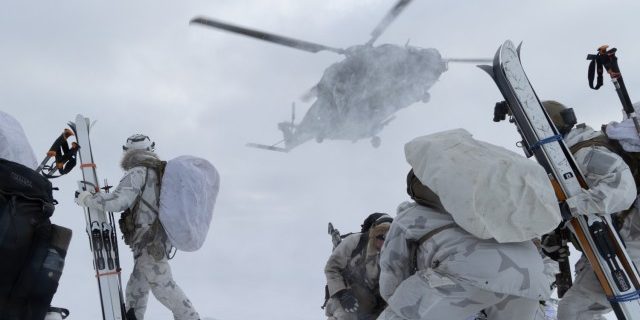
[
  {"x": 107, "y": 273},
  {"x": 364, "y": 239},
  {"x": 625, "y": 297},
  {"x": 4, "y": 217},
  {"x": 545, "y": 141},
  {"x": 415, "y": 244},
  {"x": 434, "y": 232}
]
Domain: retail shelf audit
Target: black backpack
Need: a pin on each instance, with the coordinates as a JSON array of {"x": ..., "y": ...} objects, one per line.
[{"x": 32, "y": 250}]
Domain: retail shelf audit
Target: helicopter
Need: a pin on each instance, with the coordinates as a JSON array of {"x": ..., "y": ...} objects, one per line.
[{"x": 358, "y": 96}]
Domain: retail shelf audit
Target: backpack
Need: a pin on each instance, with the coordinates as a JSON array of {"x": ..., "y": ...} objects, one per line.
[
  {"x": 188, "y": 190},
  {"x": 32, "y": 249},
  {"x": 632, "y": 159}
]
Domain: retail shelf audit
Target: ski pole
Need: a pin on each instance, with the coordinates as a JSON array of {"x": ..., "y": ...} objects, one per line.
[{"x": 607, "y": 59}]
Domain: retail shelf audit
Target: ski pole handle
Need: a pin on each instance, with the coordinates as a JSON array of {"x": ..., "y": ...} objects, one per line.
[{"x": 607, "y": 59}]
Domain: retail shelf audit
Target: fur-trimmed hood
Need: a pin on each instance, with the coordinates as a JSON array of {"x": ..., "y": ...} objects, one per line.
[
  {"x": 137, "y": 158},
  {"x": 375, "y": 231}
]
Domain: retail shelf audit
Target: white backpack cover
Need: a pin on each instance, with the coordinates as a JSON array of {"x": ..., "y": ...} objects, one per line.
[
  {"x": 626, "y": 134},
  {"x": 491, "y": 192},
  {"x": 189, "y": 189},
  {"x": 14, "y": 145}
]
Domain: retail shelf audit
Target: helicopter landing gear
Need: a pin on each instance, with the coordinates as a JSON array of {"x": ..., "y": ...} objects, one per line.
[{"x": 376, "y": 141}]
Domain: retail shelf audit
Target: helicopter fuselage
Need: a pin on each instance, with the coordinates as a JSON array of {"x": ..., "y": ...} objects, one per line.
[{"x": 356, "y": 96}]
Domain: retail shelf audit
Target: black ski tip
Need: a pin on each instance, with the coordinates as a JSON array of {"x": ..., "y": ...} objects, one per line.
[
  {"x": 488, "y": 69},
  {"x": 72, "y": 125},
  {"x": 518, "y": 49},
  {"x": 199, "y": 20}
]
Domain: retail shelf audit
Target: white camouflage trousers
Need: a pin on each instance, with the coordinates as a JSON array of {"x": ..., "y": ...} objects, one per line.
[
  {"x": 149, "y": 274},
  {"x": 585, "y": 300},
  {"x": 459, "y": 301}
]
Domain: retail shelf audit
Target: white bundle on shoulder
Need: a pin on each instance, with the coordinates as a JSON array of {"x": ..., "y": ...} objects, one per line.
[{"x": 491, "y": 192}]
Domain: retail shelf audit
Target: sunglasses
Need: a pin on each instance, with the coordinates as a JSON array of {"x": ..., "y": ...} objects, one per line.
[{"x": 380, "y": 237}]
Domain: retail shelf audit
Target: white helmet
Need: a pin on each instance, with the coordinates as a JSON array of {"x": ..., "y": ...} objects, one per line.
[{"x": 139, "y": 142}]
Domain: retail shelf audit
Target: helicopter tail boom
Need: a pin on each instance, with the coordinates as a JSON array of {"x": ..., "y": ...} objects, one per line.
[{"x": 267, "y": 147}]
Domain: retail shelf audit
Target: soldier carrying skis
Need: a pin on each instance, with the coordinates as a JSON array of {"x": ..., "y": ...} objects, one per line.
[
  {"x": 611, "y": 190},
  {"x": 138, "y": 193}
]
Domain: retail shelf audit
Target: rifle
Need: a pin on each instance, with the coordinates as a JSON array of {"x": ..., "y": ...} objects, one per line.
[
  {"x": 563, "y": 279},
  {"x": 335, "y": 235},
  {"x": 540, "y": 138}
]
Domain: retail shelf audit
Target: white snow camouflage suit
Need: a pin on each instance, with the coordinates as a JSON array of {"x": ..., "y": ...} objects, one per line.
[
  {"x": 358, "y": 271},
  {"x": 611, "y": 189},
  {"x": 458, "y": 275},
  {"x": 151, "y": 271}
]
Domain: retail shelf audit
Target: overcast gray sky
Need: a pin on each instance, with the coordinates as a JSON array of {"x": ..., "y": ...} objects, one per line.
[{"x": 137, "y": 66}]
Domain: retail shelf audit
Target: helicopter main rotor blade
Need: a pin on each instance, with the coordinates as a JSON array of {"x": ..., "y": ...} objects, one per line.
[
  {"x": 393, "y": 13},
  {"x": 285, "y": 41}
]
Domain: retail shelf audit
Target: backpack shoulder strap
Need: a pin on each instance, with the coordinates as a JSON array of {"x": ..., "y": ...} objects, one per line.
[
  {"x": 362, "y": 244},
  {"x": 599, "y": 141},
  {"x": 415, "y": 244},
  {"x": 632, "y": 159},
  {"x": 134, "y": 206}
]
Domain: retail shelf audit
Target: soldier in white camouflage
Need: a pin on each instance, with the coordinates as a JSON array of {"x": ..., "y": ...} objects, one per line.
[
  {"x": 612, "y": 190},
  {"x": 138, "y": 192},
  {"x": 352, "y": 272},
  {"x": 433, "y": 269}
]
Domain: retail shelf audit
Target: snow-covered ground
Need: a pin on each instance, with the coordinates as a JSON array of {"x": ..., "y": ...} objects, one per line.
[{"x": 137, "y": 66}]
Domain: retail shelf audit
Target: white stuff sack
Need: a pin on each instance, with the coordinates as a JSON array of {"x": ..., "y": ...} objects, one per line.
[
  {"x": 189, "y": 189},
  {"x": 490, "y": 191},
  {"x": 14, "y": 145},
  {"x": 625, "y": 132}
]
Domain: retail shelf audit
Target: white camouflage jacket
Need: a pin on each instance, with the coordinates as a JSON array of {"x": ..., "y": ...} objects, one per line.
[
  {"x": 454, "y": 255},
  {"x": 611, "y": 184},
  {"x": 128, "y": 190},
  {"x": 363, "y": 266}
]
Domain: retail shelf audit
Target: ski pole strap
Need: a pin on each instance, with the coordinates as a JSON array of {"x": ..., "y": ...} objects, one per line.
[
  {"x": 595, "y": 61},
  {"x": 539, "y": 144},
  {"x": 625, "y": 297}
]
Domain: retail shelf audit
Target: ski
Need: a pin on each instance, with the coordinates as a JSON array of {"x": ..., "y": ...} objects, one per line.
[
  {"x": 540, "y": 138},
  {"x": 101, "y": 231}
]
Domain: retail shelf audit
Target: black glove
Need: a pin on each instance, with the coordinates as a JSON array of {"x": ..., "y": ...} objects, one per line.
[
  {"x": 347, "y": 300},
  {"x": 553, "y": 247}
]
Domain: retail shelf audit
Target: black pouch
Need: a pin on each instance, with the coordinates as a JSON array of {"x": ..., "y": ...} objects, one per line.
[
  {"x": 48, "y": 274},
  {"x": 127, "y": 226}
]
